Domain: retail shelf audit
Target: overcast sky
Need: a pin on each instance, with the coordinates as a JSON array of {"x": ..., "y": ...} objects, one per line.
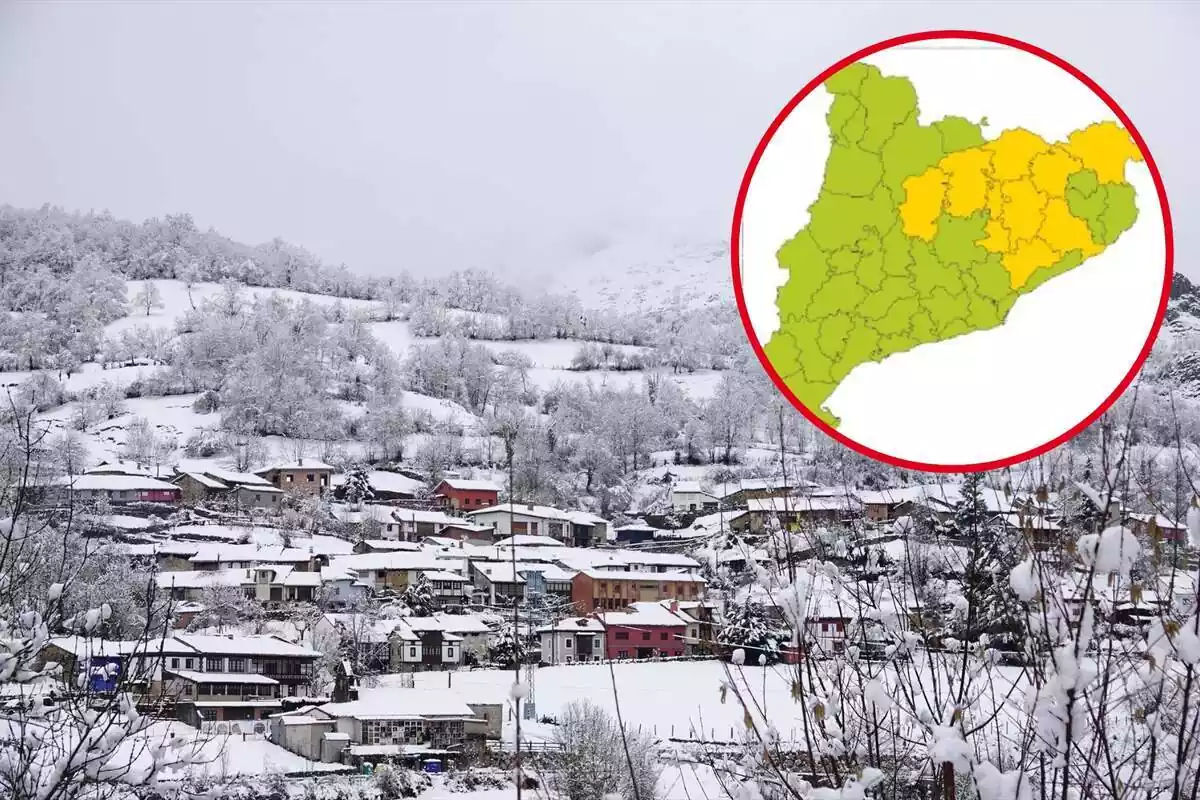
[{"x": 427, "y": 136}]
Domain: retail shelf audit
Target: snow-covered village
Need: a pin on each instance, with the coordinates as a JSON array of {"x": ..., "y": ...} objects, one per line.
[{"x": 293, "y": 524}]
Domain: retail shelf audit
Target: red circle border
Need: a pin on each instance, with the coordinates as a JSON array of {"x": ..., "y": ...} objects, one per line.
[{"x": 735, "y": 249}]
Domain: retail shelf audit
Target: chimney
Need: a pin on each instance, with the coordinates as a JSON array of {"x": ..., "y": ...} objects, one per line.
[
  {"x": 674, "y": 606},
  {"x": 299, "y": 462},
  {"x": 531, "y": 506}
]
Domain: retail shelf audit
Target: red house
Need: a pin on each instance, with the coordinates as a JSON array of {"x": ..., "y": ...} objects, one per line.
[
  {"x": 646, "y": 630},
  {"x": 464, "y": 495}
]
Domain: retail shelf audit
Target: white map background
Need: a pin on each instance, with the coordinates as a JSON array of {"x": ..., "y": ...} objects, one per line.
[{"x": 988, "y": 395}]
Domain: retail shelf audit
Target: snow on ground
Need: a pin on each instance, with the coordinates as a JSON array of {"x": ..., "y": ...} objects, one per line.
[
  {"x": 91, "y": 375},
  {"x": 697, "y": 385},
  {"x": 219, "y": 756},
  {"x": 665, "y": 698},
  {"x": 551, "y": 354},
  {"x": 440, "y": 410},
  {"x": 643, "y": 272},
  {"x": 176, "y": 302}
]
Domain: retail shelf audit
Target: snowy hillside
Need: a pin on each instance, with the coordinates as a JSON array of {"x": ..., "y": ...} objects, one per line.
[{"x": 646, "y": 274}]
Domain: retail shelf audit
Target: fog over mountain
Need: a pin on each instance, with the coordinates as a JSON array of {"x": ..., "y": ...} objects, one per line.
[{"x": 518, "y": 138}]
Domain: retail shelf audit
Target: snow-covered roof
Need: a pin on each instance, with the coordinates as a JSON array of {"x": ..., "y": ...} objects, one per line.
[
  {"x": 462, "y": 623},
  {"x": 645, "y": 577},
  {"x": 1161, "y": 521},
  {"x": 298, "y": 464},
  {"x": 116, "y": 483},
  {"x": 203, "y": 480},
  {"x": 776, "y": 483},
  {"x": 391, "y": 545},
  {"x": 687, "y": 487},
  {"x": 199, "y": 579},
  {"x": 422, "y": 515},
  {"x": 642, "y": 615},
  {"x": 123, "y": 467},
  {"x": 245, "y": 645},
  {"x": 399, "y": 704},
  {"x": 575, "y": 625},
  {"x": 224, "y": 677},
  {"x": 527, "y": 540},
  {"x": 418, "y": 625},
  {"x": 707, "y": 524},
  {"x": 801, "y": 504},
  {"x": 521, "y": 510},
  {"x": 621, "y": 558},
  {"x": 441, "y": 575},
  {"x": 387, "y": 561},
  {"x": 83, "y": 646},
  {"x": 464, "y": 485},
  {"x": 250, "y": 553},
  {"x": 238, "y": 478},
  {"x": 384, "y": 481},
  {"x": 549, "y": 572}
]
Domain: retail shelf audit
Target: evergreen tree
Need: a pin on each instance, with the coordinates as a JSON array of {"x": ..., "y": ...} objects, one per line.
[
  {"x": 994, "y": 550},
  {"x": 419, "y": 597},
  {"x": 357, "y": 488},
  {"x": 507, "y": 650},
  {"x": 747, "y": 628}
]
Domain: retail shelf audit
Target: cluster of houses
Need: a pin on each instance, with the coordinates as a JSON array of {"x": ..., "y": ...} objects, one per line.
[
  {"x": 755, "y": 505},
  {"x": 261, "y": 685}
]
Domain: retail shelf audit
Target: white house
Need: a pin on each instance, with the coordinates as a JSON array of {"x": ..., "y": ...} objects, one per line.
[
  {"x": 572, "y": 640},
  {"x": 577, "y": 528},
  {"x": 687, "y": 496}
]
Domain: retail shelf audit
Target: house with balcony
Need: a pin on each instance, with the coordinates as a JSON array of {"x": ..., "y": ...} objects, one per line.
[
  {"x": 303, "y": 476},
  {"x": 459, "y": 494},
  {"x": 578, "y": 639},
  {"x": 449, "y": 588},
  {"x": 389, "y": 571},
  {"x": 115, "y": 489},
  {"x": 383, "y": 725},
  {"x": 421, "y": 644},
  {"x": 576, "y": 528},
  {"x": 611, "y": 590}
]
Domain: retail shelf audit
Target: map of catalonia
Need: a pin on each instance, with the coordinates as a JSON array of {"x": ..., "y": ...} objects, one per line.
[{"x": 921, "y": 233}]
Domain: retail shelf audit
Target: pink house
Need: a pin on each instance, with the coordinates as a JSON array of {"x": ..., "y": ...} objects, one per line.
[{"x": 645, "y": 630}]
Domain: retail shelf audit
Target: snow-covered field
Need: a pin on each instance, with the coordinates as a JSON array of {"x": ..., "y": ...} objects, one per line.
[{"x": 678, "y": 699}]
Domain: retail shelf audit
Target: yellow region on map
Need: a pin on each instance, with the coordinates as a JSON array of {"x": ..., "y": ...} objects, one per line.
[{"x": 1029, "y": 187}]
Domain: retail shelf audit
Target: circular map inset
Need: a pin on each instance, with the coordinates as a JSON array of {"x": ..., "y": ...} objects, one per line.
[{"x": 952, "y": 251}]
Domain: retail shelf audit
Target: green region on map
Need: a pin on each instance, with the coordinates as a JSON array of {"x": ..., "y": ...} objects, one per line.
[{"x": 921, "y": 233}]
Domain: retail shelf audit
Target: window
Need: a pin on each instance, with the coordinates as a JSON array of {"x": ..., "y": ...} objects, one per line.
[
  {"x": 665, "y": 636},
  {"x": 568, "y": 659},
  {"x": 624, "y": 635},
  {"x": 237, "y": 665},
  {"x": 174, "y": 663},
  {"x": 287, "y": 478},
  {"x": 568, "y": 643},
  {"x": 310, "y": 477},
  {"x": 412, "y": 652},
  {"x": 646, "y": 636},
  {"x": 257, "y": 497},
  {"x": 212, "y": 664},
  {"x": 622, "y": 654}
]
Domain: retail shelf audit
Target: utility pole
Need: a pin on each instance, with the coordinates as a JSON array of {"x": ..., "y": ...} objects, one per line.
[{"x": 510, "y": 445}]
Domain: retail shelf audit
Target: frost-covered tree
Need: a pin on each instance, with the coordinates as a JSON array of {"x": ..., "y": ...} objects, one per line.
[
  {"x": 745, "y": 627},
  {"x": 419, "y": 597},
  {"x": 357, "y": 488},
  {"x": 507, "y": 649},
  {"x": 601, "y": 757},
  {"x": 148, "y": 298},
  {"x": 68, "y": 734}
]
